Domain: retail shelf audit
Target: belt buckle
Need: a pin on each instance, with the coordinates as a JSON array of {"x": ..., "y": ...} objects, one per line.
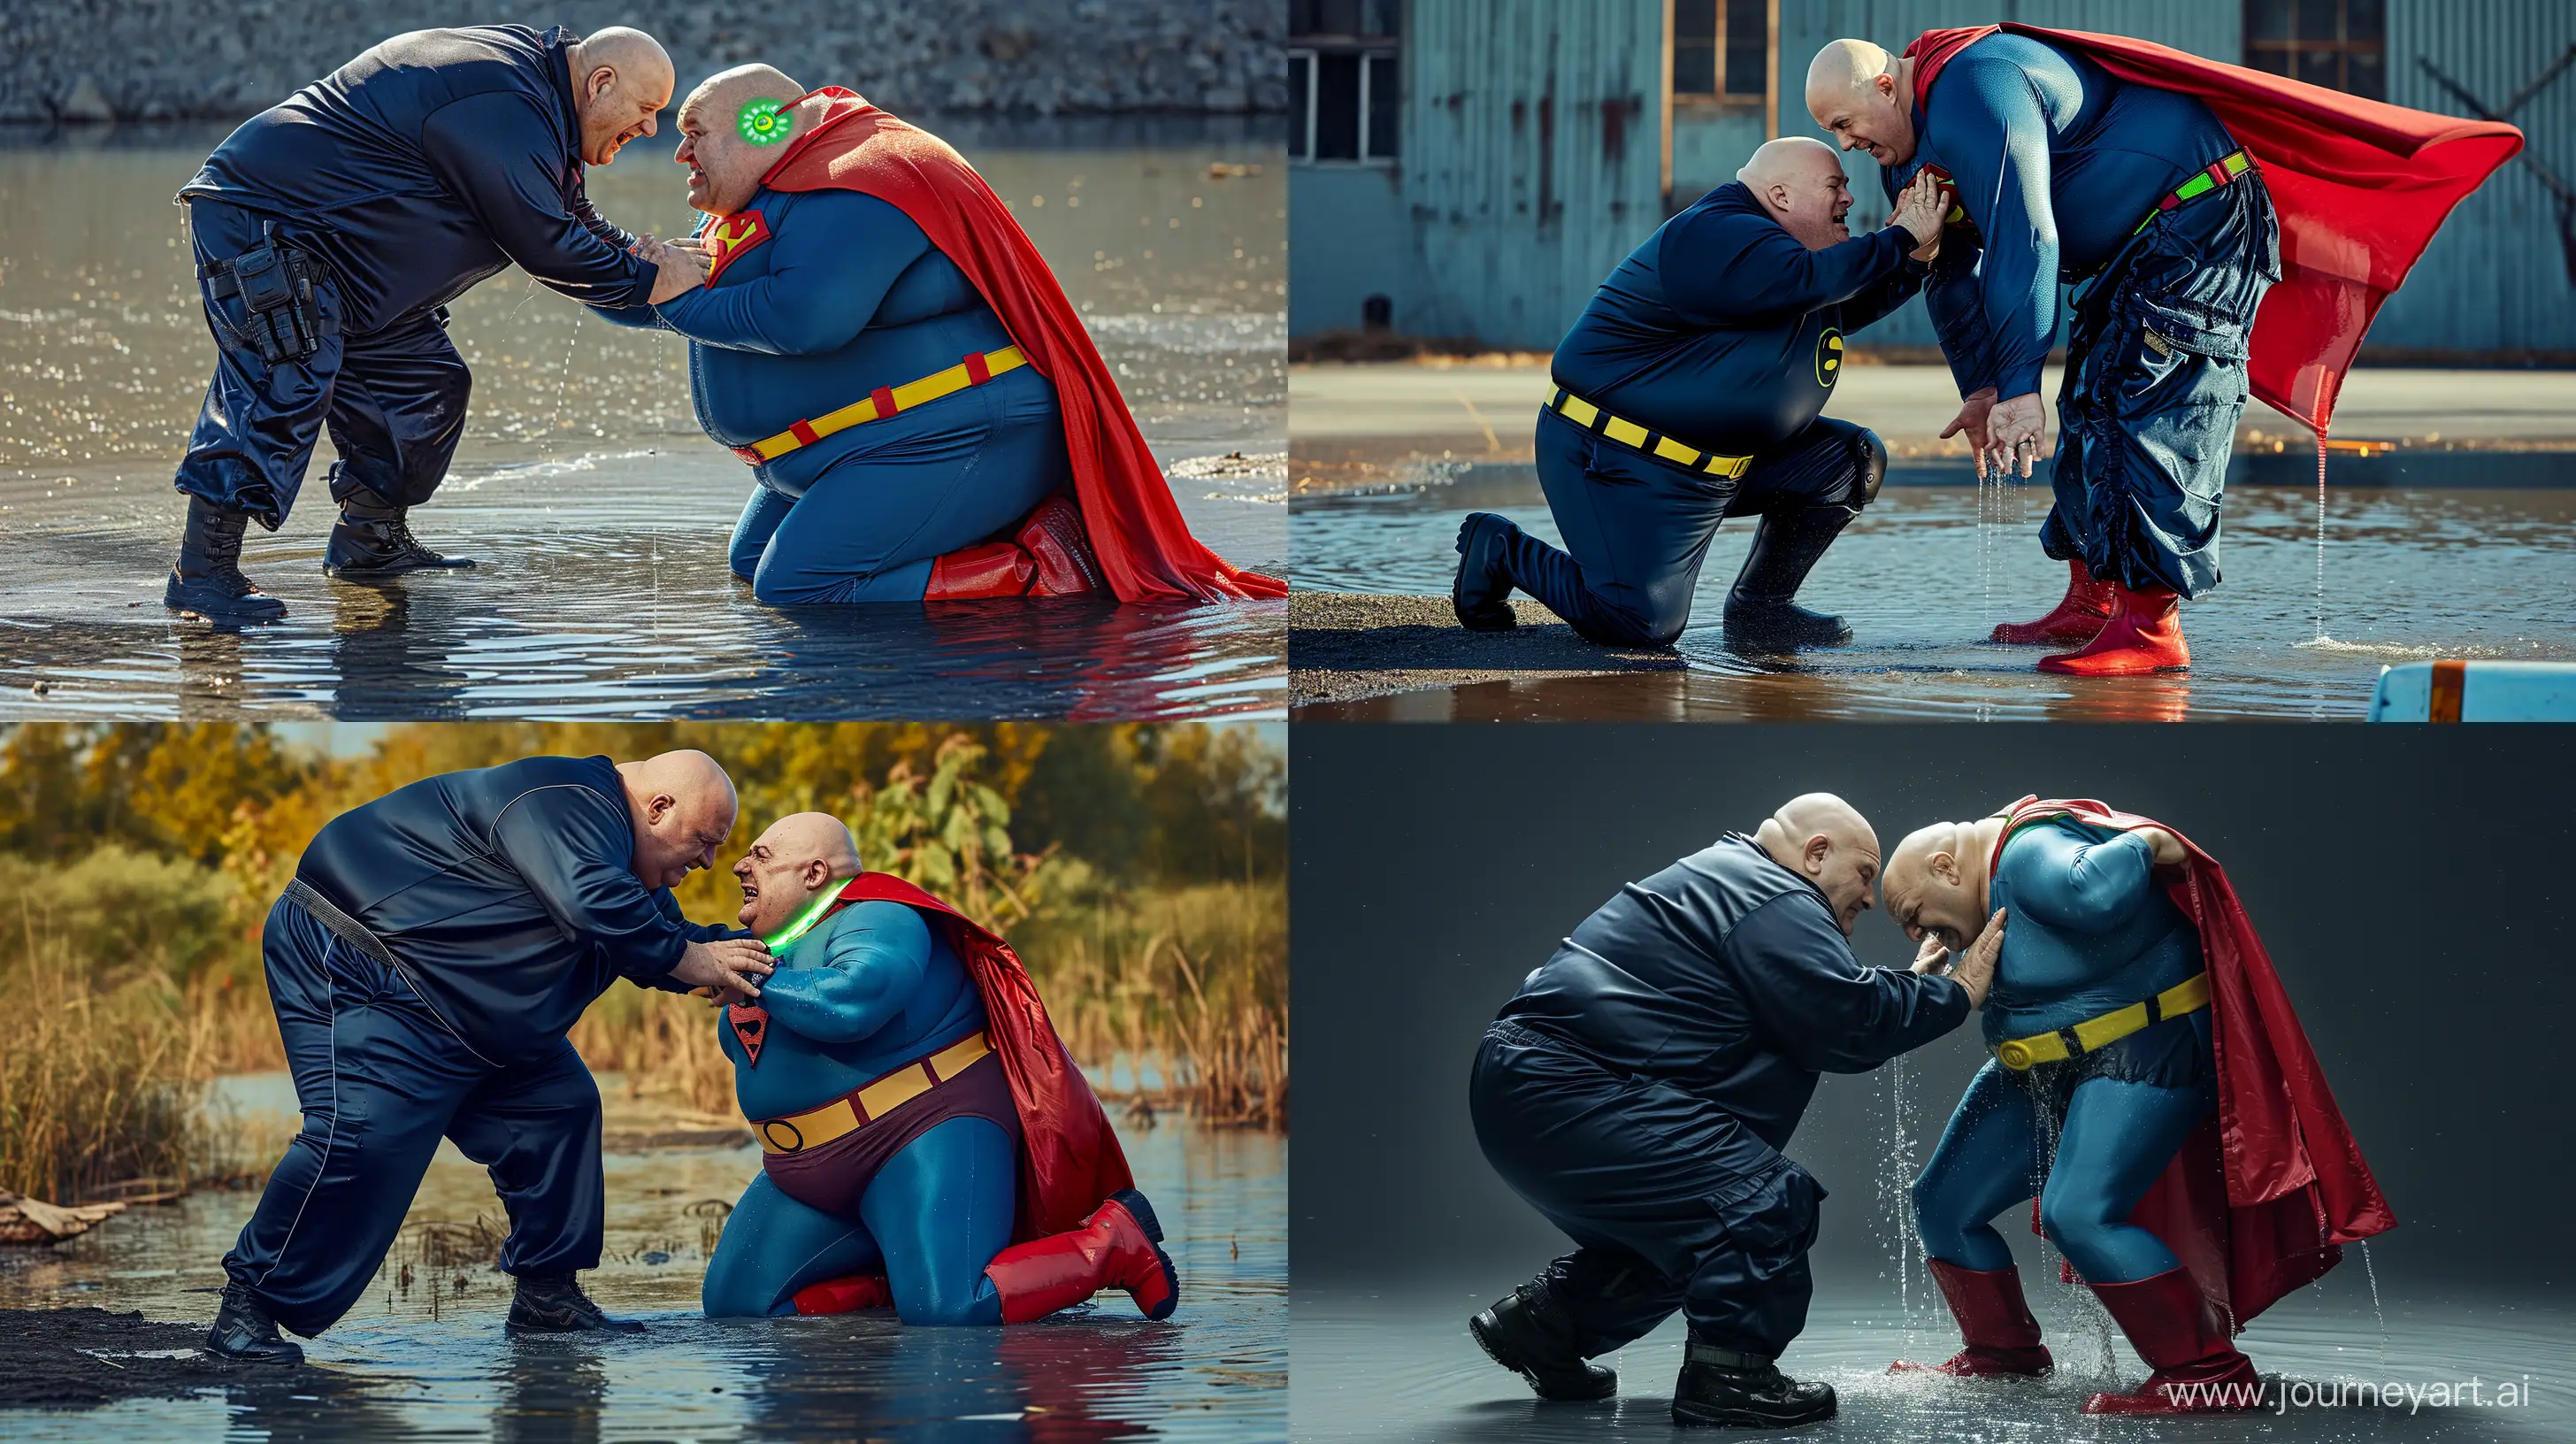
[
  {"x": 795, "y": 1136},
  {"x": 2014, "y": 1054}
]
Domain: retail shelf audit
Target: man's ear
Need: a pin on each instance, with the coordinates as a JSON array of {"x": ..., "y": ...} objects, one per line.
[
  {"x": 1945, "y": 867},
  {"x": 1817, "y": 848},
  {"x": 659, "y": 808},
  {"x": 818, "y": 875}
]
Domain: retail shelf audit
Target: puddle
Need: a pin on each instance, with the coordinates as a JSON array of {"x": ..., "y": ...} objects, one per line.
[
  {"x": 600, "y": 512},
  {"x": 2411, "y": 572},
  {"x": 434, "y": 1360}
]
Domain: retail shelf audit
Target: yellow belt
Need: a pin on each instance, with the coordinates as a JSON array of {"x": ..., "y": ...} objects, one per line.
[
  {"x": 2188, "y": 996},
  {"x": 800, "y": 1131},
  {"x": 885, "y": 401},
  {"x": 1654, "y": 443}
]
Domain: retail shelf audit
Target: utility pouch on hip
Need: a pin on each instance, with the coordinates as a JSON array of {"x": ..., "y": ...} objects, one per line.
[{"x": 285, "y": 322}]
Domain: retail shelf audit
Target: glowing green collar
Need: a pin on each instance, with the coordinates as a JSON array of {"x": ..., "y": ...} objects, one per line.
[{"x": 778, "y": 942}]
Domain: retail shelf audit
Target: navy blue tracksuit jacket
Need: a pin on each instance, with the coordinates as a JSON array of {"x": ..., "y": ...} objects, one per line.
[{"x": 1640, "y": 1087}]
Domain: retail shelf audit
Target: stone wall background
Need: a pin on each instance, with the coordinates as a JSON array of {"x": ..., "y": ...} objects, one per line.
[{"x": 91, "y": 60}]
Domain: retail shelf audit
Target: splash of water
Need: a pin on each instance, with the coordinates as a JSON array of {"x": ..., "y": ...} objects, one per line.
[
  {"x": 563, "y": 382},
  {"x": 2372, "y": 1272},
  {"x": 1895, "y": 1196},
  {"x": 2321, "y": 534}
]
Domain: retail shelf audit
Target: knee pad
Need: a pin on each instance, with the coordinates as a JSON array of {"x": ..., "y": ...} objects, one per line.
[{"x": 1869, "y": 460}]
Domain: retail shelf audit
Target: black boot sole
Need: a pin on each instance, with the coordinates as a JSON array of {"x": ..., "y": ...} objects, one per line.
[
  {"x": 1583, "y": 1393},
  {"x": 282, "y": 1354},
  {"x": 1744, "y": 1418},
  {"x": 1492, "y": 616},
  {"x": 518, "y": 1325},
  {"x": 1760, "y": 635},
  {"x": 221, "y": 608},
  {"x": 380, "y": 572}
]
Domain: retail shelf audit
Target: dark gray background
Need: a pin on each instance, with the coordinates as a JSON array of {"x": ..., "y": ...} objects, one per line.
[{"x": 2410, "y": 884}]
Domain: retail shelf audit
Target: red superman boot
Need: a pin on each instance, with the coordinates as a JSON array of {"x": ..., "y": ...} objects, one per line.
[
  {"x": 987, "y": 569},
  {"x": 2002, "y": 1337},
  {"x": 2179, "y": 1332},
  {"x": 1114, "y": 1249},
  {"x": 845, "y": 1296},
  {"x": 1066, "y": 565},
  {"x": 2144, "y": 635},
  {"x": 2076, "y": 618}
]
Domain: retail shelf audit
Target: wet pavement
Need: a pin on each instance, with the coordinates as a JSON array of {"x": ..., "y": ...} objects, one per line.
[
  {"x": 1399, "y": 1365},
  {"x": 428, "y": 1350},
  {"x": 2413, "y": 568},
  {"x": 599, "y": 510}
]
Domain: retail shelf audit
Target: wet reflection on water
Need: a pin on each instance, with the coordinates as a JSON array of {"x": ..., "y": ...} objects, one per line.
[
  {"x": 2410, "y": 574},
  {"x": 429, "y": 1341},
  {"x": 600, "y": 512}
]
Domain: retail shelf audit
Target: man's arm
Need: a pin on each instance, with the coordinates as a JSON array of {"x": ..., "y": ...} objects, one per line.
[
  {"x": 2076, "y": 883},
  {"x": 498, "y": 154},
  {"x": 573, "y": 847},
  {"x": 1827, "y": 1011},
  {"x": 1989, "y": 118},
  {"x": 876, "y": 954},
  {"x": 829, "y": 270},
  {"x": 1882, "y": 298},
  {"x": 1722, "y": 267}
]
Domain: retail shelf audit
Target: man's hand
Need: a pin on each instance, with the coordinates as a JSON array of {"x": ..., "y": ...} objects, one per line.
[
  {"x": 1932, "y": 957},
  {"x": 2017, "y": 431},
  {"x": 1975, "y": 970},
  {"x": 1975, "y": 408},
  {"x": 732, "y": 967},
  {"x": 1919, "y": 209},
  {"x": 677, "y": 268},
  {"x": 2169, "y": 849}
]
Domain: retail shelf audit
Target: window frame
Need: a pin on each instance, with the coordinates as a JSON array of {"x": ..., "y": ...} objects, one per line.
[
  {"x": 2258, "y": 49},
  {"x": 1304, "y": 109},
  {"x": 1721, "y": 99}
]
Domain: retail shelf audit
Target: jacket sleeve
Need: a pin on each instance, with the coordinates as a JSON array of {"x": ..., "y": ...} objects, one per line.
[
  {"x": 830, "y": 267},
  {"x": 1816, "y": 1001},
  {"x": 1721, "y": 267},
  {"x": 2062, "y": 876},
  {"x": 1883, "y": 297},
  {"x": 873, "y": 963},
  {"x": 498, "y": 155},
  {"x": 575, "y": 849},
  {"x": 1989, "y": 117}
]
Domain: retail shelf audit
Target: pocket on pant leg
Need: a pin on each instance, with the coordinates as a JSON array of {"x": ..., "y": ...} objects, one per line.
[{"x": 1772, "y": 1217}]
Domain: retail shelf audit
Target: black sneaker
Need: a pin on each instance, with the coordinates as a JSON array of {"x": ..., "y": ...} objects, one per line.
[
  {"x": 1528, "y": 1334},
  {"x": 555, "y": 1304},
  {"x": 1482, "y": 590},
  {"x": 1744, "y": 1391},
  {"x": 243, "y": 1330},
  {"x": 207, "y": 580}
]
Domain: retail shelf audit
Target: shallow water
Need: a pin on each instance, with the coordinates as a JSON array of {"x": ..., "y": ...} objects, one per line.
[
  {"x": 430, "y": 1345},
  {"x": 2411, "y": 573},
  {"x": 1400, "y": 1365},
  {"x": 599, "y": 510}
]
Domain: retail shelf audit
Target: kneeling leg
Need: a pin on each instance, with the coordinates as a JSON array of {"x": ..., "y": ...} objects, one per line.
[
  {"x": 2119, "y": 1137},
  {"x": 942, "y": 1207},
  {"x": 774, "y": 1246}
]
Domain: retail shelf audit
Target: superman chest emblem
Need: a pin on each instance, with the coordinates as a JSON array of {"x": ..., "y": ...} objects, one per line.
[{"x": 728, "y": 237}]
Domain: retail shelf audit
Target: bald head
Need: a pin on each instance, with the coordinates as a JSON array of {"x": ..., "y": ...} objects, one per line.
[
  {"x": 1800, "y": 181},
  {"x": 682, "y": 805},
  {"x": 1936, "y": 882},
  {"x": 1825, "y": 840},
  {"x": 1864, "y": 98},
  {"x": 733, "y": 128},
  {"x": 621, "y": 80},
  {"x": 799, "y": 858}
]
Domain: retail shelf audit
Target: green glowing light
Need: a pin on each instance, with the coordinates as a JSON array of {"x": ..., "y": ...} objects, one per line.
[{"x": 762, "y": 124}]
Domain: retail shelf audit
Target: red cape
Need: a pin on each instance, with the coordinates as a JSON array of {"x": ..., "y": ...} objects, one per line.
[
  {"x": 1145, "y": 548},
  {"x": 2360, "y": 187},
  {"x": 2260, "y": 1200},
  {"x": 1070, "y": 1161}
]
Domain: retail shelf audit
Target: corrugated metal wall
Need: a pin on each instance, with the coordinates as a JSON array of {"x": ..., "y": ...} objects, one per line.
[
  {"x": 2496, "y": 277},
  {"x": 1533, "y": 159}
]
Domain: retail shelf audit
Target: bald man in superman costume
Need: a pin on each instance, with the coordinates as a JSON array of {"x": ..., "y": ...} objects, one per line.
[
  {"x": 2199, "y": 1170},
  {"x": 926, "y": 1143},
  {"x": 2228, "y": 232},
  {"x": 924, "y": 416}
]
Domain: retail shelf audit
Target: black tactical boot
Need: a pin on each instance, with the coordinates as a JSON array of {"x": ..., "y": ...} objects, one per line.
[
  {"x": 207, "y": 579},
  {"x": 1744, "y": 1391},
  {"x": 1529, "y": 1334},
  {"x": 373, "y": 541},
  {"x": 1482, "y": 593},
  {"x": 1760, "y": 617},
  {"x": 243, "y": 1330},
  {"x": 555, "y": 1304}
]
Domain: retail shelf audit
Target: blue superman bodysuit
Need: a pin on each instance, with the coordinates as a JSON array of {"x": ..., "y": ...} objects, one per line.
[
  {"x": 2057, "y": 164},
  {"x": 840, "y": 296},
  {"x": 924, "y": 1194},
  {"x": 1724, "y": 333},
  {"x": 2091, "y": 931}
]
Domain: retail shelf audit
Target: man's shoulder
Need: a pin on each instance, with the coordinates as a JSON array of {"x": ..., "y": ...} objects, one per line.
[{"x": 574, "y": 782}]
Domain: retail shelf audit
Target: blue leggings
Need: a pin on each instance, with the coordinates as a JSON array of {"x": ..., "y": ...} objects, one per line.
[
  {"x": 868, "y": 528},
  {"x": 932, "y": 1219},
  {"x": 2117, "y": 1138}
]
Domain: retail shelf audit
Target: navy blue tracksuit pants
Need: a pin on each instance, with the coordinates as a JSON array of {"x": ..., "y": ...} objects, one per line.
[
  {"x": 1670, "y": 1200},
  {"x": 393, "y": 400},
  {"x": 1636, "y": 529},
  {"x": 380, "y": 1080}
]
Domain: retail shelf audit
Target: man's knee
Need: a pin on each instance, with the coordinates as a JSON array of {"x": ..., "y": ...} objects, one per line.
[
  {"x": 2076, "y": 1220},
  {"x": 1932, "y": 1222},
  {"x": 948, "y": 1303},
  {"x": 1869, "y": 463},
  {"x": 736, "y": 1288}
]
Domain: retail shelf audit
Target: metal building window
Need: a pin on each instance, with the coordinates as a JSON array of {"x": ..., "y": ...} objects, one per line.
[
  {"x": 1721, "y": 49},
  {"x": 1345, "y": 80},
  {"x": 2339, "y": 44}
]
